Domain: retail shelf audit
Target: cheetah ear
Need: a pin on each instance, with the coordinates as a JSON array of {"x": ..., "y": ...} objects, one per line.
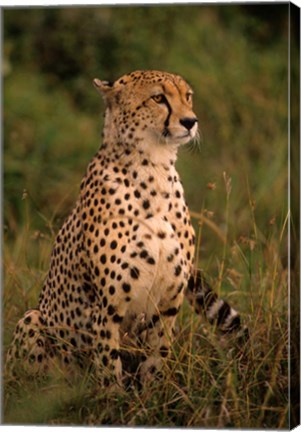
[{"x": 102, "y": 86}]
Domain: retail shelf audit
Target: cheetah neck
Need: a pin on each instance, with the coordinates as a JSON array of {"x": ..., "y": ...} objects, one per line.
[{"x": 119, "y": 145}]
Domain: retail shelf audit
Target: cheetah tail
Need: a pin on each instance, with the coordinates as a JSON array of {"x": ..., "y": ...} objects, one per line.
[{"x": 206, "y": 302}]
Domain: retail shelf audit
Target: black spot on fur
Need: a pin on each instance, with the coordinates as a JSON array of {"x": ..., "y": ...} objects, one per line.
[{"x": 135, "y": 273}]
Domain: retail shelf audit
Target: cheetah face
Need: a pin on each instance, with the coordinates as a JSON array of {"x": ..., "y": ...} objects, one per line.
[{"x": 151, "y": 106}]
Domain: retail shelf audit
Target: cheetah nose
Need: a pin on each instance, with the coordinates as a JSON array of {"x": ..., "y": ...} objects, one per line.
[{"x": 188, "y": 122}]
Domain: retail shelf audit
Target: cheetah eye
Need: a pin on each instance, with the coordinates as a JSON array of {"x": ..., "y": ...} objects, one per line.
[
  {"x": 160, "y": 98},
  {"x": 189, "y": 97}
]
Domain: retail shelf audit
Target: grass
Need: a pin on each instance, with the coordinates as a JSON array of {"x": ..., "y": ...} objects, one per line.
[{"x": 209, "y": 382}]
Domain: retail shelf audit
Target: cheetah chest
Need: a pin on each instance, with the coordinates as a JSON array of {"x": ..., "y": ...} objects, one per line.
[{"x": 143, "y": 250}]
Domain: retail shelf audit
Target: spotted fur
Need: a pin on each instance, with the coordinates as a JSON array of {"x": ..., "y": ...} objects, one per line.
[{"x": 123, "y": 259}]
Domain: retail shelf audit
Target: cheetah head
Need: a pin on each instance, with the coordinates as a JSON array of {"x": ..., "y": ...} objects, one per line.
[{"x": 150, "y": 106}]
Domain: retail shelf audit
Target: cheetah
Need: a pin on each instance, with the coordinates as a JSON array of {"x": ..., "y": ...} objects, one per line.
[{"x": 124, "y": 259}]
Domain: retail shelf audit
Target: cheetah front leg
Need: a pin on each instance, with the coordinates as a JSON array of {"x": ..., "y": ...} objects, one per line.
[
  {"x": 105, "y": 357},
  {"x": 159, "y": 335}
]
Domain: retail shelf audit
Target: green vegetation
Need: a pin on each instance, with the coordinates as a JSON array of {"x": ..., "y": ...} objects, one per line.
[{"x": 235, "y": 57}]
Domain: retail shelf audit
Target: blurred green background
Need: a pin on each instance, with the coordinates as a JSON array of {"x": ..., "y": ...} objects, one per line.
[{"x": 235, "y": 58}]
